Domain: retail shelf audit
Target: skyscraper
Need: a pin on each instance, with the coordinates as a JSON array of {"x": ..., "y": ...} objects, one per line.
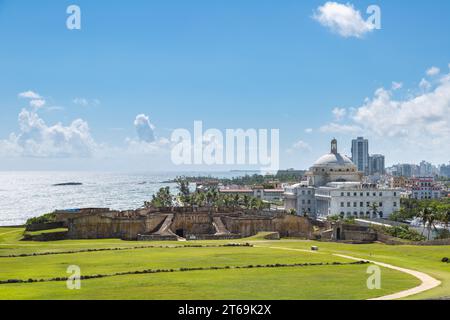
[
  {"x": 360, "y": 154},
  {"x": 377, "y": 164}
]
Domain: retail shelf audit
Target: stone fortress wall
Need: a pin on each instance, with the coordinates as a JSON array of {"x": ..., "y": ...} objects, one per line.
[{"x": 170, "y": 224}]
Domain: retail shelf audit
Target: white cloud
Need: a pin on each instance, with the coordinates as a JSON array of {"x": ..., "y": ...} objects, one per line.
[
  {"x": 424, "y": 117},
  {"x": 433, "y": 71},
  {"x": 146, "y": 142},
  {"x": 339, "y": 113},
  {"x": 29, "y": 95},
  {"x": 309, "y": 130},
  {"x": 39, "y": 103},
  {"x": 139, "y": 147},
  {"x": 36, "y": 101},
  {"x": 396, "y": 85},
  {"x": 425, "y": 85},
  {"x": 342, "y": 19},
  {"x": 86, "y": 102},
  {"x": 37, "y": 139},
  {"x": 420, "y": 122},
  {"x": 144, "y": 129},
  {"x": 81, "y": 101},
  {"x": 414, "y": 127},
  {"x": 299, "y": 146}
]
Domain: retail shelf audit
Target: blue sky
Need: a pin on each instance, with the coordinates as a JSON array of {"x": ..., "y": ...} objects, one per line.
[{"x": 231, "y": 64}]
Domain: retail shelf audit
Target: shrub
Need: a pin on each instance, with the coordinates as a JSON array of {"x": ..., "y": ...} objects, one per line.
[
  {"x": 402, "y": 232},
  {"x": 443, "y": 234},
  {"x": 46, "y": 218}
]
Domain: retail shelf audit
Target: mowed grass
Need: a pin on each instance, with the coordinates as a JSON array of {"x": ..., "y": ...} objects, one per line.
[
  {"x": 109, "y": 262},
  {"x": 316, "y": 282},
  {"x": 427, "y": 259},
  {"x": 311, "y": 282}
]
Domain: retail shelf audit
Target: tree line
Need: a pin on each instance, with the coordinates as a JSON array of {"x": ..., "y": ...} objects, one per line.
[{"x": 210, "y": 198}]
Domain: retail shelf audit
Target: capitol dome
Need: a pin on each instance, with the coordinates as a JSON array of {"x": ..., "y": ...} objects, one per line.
[
  {"x": 335, "y": 160},
  {"x": 333, "y": 167}
]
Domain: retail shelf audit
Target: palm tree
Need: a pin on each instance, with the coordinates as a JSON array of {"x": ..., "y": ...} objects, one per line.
[
  {"x": 431, "y": 224},
  {"x": 424, "y": 216},
  {"x": 374, "y": 208},
  {"x": 246, "y": 202},
  {"x": 235, "y": 201},
  {"x": 444, "y": 216}
]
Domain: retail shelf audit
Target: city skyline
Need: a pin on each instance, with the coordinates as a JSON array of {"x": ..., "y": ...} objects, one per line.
[{"x": 108, "y": 96}]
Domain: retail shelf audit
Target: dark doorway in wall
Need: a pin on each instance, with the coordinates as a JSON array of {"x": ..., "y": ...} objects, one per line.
[
  {"x": 338, "y": 234},
  {"x": 180, "y": 233}
]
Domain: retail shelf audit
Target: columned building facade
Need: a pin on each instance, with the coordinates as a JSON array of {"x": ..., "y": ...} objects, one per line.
[{"x": 334, "y": 187}]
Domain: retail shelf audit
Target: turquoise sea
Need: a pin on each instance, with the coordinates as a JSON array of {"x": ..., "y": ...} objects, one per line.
[{"x": 28, "y": 194}]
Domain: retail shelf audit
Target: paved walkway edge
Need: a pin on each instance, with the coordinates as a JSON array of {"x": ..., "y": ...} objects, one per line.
[{"x": 428, "y": 282}]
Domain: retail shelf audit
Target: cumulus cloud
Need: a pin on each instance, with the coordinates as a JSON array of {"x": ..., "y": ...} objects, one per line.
[
  {"x": 396, "y": 85},
  {"x": 86, "y": 102},
  {"x": 146, "y": 142},
  {"x": 36, "y": 101},
  {"x": 144, "y": 129},
  {"x": 139, "y": 147},
  {"x": 342, "y": 19},
  {"x": 417, "y": 122},
  {"x": 39, "y": 103},
  {"x": 423, "y": 117},
  {"x": 29, "y": 95},
  {"x": 309, "y": 130},
  {"x": 37, "y": 139},
  {"x": 425, "y": 85},
  {"x": 339, "y": 113},
  {"x": 299, "y": 146},
  {"x": 433, "y": 71}
]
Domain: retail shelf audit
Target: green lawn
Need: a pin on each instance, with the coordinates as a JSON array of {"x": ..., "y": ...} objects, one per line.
[
  {"x": 327, "y": 282},
  {"x": 310, "y": 282}
]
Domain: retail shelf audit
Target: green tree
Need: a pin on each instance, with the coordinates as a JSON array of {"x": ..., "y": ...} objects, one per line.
[
  {"x": 374, "y": 209},
  {"x": 162, "y": 199}
]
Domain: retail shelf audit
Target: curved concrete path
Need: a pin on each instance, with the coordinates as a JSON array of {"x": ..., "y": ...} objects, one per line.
[{"x": 428, "y": 282}]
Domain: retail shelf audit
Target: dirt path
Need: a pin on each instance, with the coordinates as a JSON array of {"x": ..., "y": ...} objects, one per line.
[{"x": 428, "y": 282}]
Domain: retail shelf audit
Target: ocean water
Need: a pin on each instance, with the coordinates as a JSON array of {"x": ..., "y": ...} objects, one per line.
[{"x": 24, "y": 195}]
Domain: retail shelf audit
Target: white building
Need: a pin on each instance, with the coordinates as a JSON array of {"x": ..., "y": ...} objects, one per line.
[
  {"x": 300, "y": 197},
  {"x": 335, "y": 187},
  {"x": 356, "y": 200},
  {"x": 256, "y": 192}
]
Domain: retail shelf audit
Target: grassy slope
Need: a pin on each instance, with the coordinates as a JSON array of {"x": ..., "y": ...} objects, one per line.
[
  {"x": 422, "y": 258},
  {"x": 327, "y": 282},
  {"x": 337, "y": 282},
  {"x": 108, "y": 262}
]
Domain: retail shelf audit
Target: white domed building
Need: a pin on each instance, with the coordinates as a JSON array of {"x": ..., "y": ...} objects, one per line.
[
  {"x": 333, "y": 167},
  {"x": 334, "y": 187}
]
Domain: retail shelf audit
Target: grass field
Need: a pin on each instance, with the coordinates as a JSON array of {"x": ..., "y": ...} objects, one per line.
[{"x": 323, "y": 280}]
